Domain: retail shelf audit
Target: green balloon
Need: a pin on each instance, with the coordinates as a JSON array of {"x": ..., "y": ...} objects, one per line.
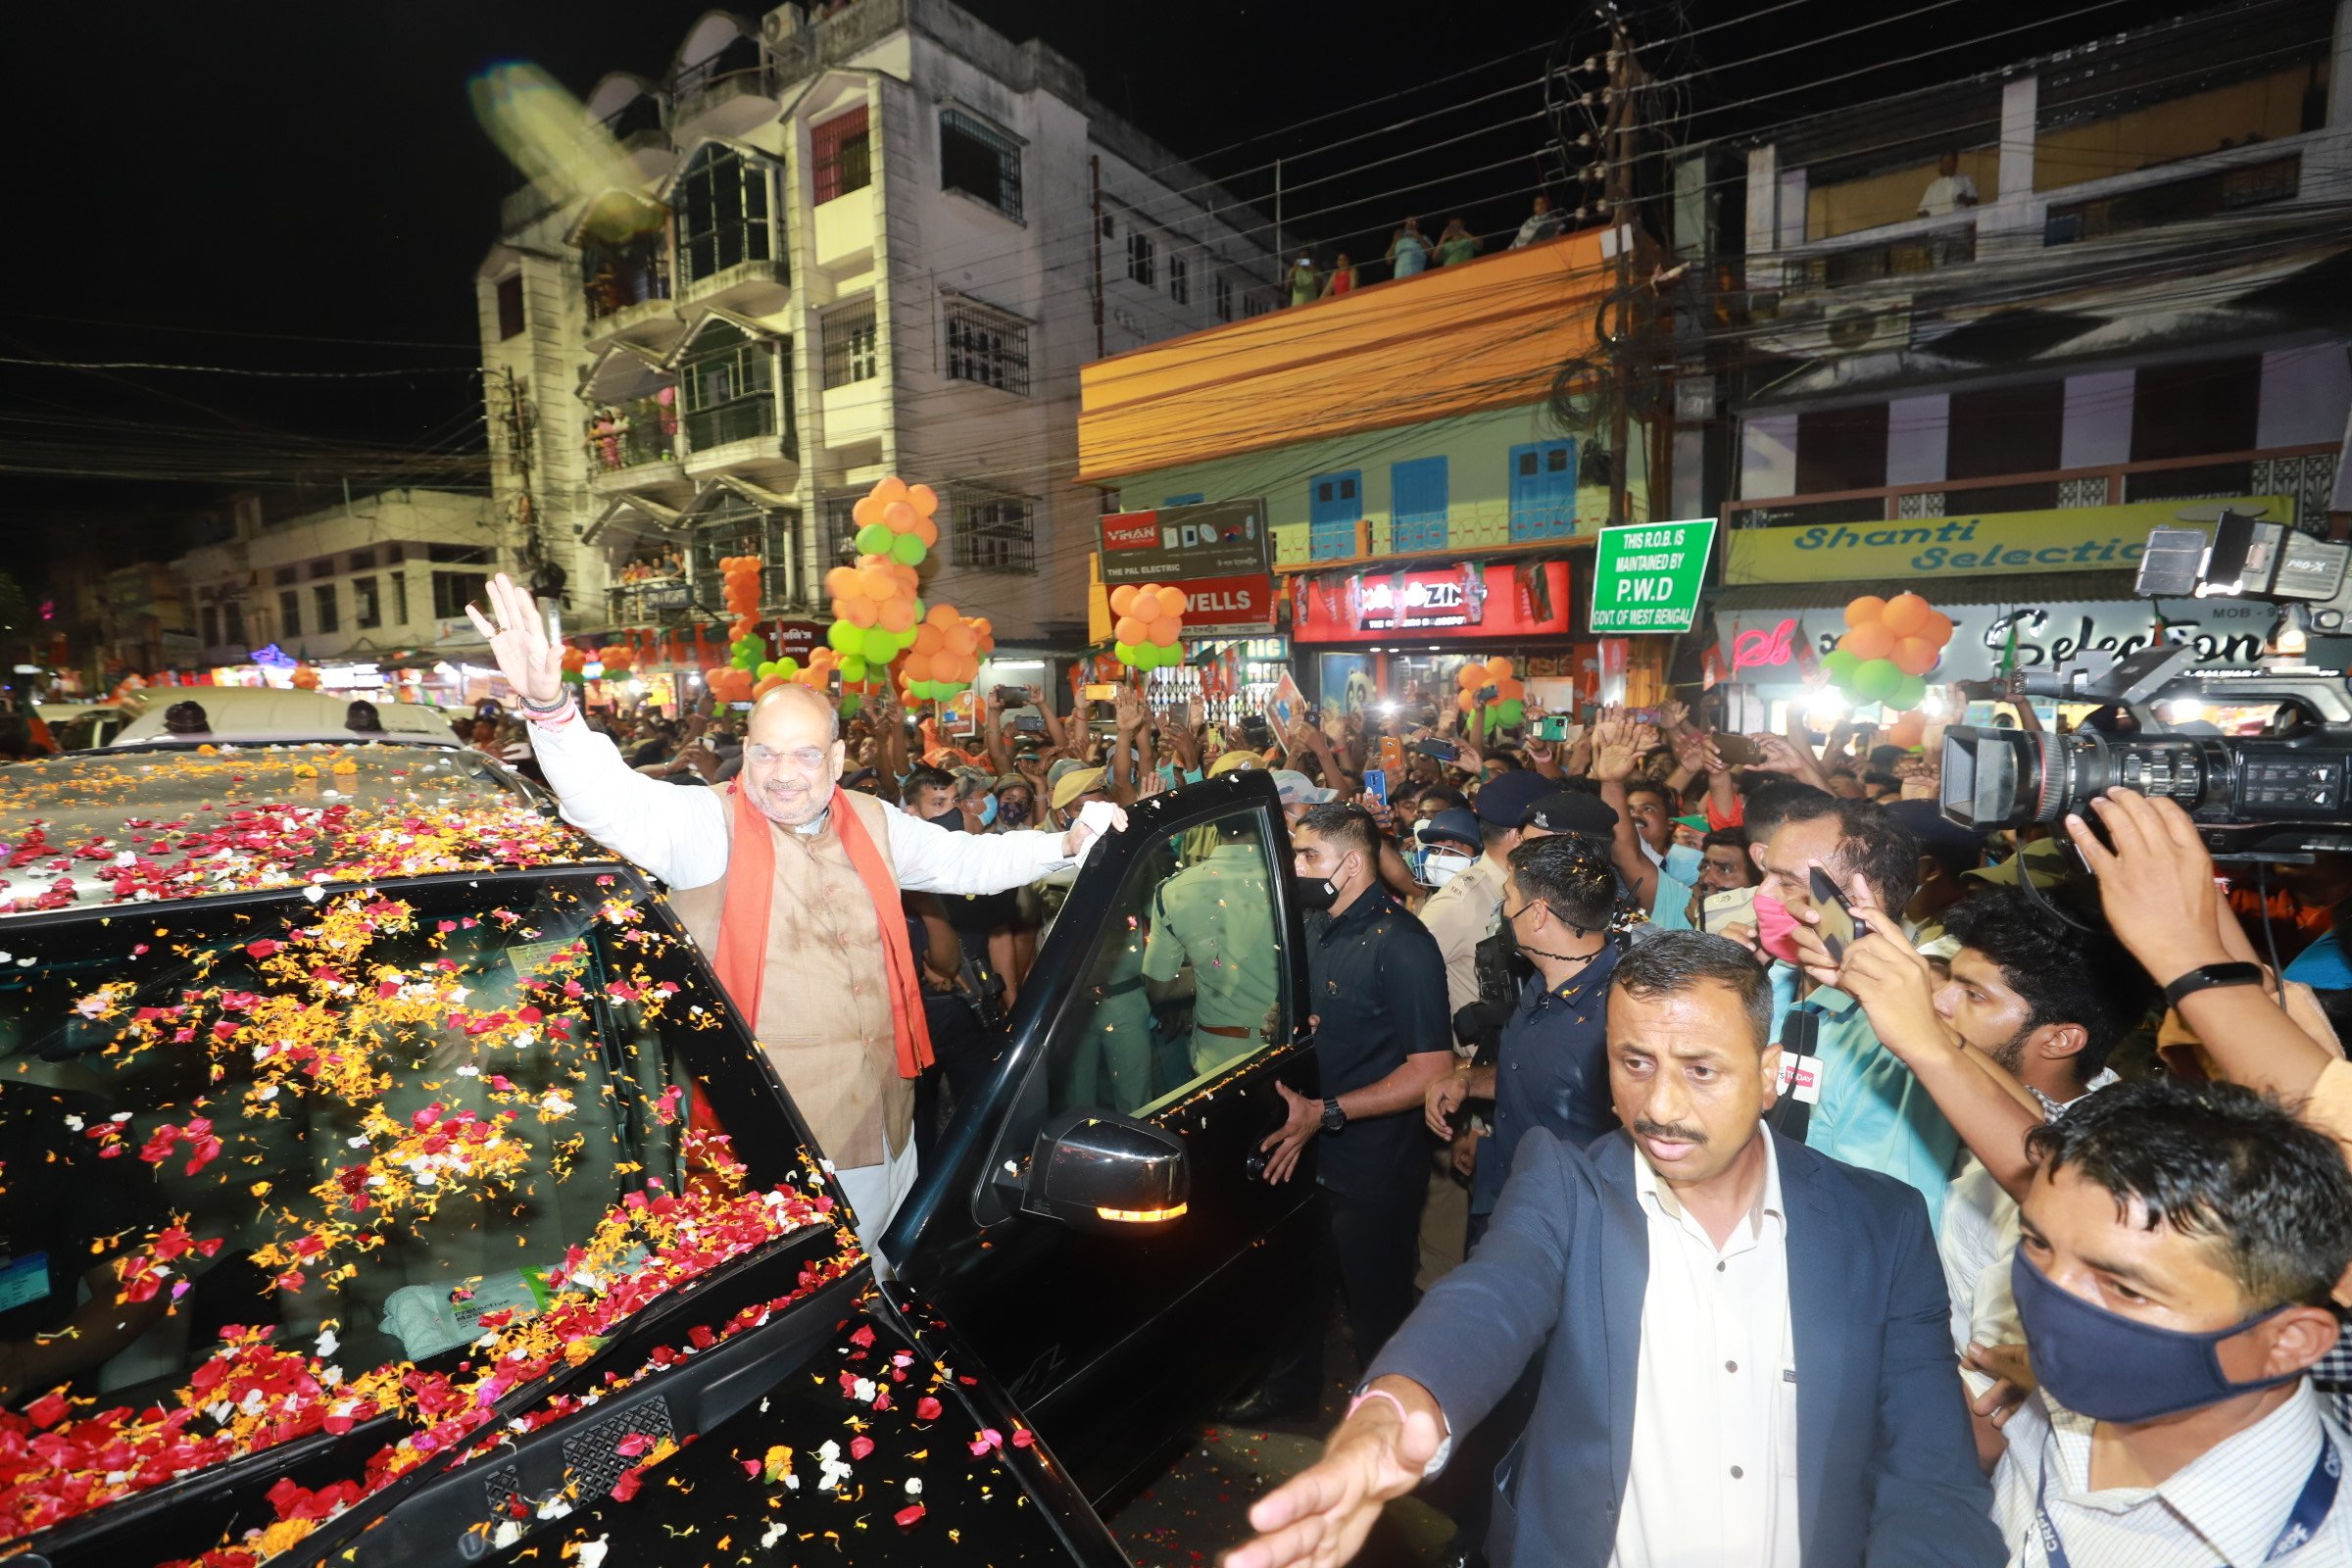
[
  {"x": 843, "y": 637},
  {"x": 1839, "y": 665},
  {"x": 907, "y": 550},
  {"x": 1909, "y": 695},
  {"x": 788, "y": 666},
  {"x": 853, "y": 668},
  {"x": 1876, "y": 679},
  {"x": 1510, "y": 712},
  {"x": 573, "y": 677},
  {"x": 851, "y": 703},
  {"x": 742, "y": 662},
  {"x": 1124, "y": 652},
  {"x": 920, "y": 611},
  {"x": 874, "y": 540}
]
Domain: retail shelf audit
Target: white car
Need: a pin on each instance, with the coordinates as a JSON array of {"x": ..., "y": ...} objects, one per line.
[
  {"x": 81, "y": 726},
  {"x": 264, "y": 715}
]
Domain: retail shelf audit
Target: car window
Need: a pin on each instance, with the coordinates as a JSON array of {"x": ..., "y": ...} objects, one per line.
[
  {"x": 338, "y": 1144},
  {"x": 1186, "y": 979}
]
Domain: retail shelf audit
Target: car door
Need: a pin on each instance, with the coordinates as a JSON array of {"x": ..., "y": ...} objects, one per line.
[{"x": 1171, "y": 991}]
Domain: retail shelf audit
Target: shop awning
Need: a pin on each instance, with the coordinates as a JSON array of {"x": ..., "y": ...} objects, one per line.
[{"x": 2021, "y": 588}]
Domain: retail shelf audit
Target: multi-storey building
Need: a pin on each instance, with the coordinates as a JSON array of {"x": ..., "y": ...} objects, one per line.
[
  {"x": 362, "y": 579},
  {"x": 1976, "y": 339},
  {"x": 1427, "y": 496},
  {"x": 877, "y": 242}
]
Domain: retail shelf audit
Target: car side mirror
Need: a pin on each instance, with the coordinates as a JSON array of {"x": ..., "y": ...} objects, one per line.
[{"x": 1094, "y": 1170}]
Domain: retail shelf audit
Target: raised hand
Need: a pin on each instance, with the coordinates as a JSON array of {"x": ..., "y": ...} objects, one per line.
[
  {"x": 1322, "y": 1515},
  {"x": 531, "y": 661}
]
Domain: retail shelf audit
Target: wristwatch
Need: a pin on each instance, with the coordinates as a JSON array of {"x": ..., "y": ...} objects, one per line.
[
  {"x": 2208, "y": 975},
  {"x": 1334, "y": 1118}
]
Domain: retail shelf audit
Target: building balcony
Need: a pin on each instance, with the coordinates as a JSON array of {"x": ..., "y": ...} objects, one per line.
[
  {"x": 724, "y": 97},
  {"x": 745, "y": 437},
  {"x": 841, "y": 242},
  {"x": 657, "y": 602},
  {"x": 760, "y": 285},
  {"x": 633, "y": 445},
  {"x": 2304, "y": 474}
]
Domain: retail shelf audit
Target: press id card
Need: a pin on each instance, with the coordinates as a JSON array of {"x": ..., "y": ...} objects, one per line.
[{"x": 23, "y": 1281}]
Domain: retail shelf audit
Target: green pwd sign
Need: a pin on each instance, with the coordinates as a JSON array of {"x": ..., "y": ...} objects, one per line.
[{"x": 1646, "y": 576}]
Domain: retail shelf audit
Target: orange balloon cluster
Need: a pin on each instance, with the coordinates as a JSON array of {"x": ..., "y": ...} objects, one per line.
[
  {"x": 618, "y": 657},
  {"x": 1905, "y": 630},
  {"x": 1151, "y": 618},
  {"x": 728, "y": 684},
  {"x": 1510, "y": 702},
  {"x": 877, "y": 603},
  {"x": 306, "y": 679},
  {"x": 741, "y": 592},
  {"x": 1889, "y": 648},
  {"x": 945, "y": 657}
]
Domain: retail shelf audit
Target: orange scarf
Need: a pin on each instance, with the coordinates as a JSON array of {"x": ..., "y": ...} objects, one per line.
[{"x": 742, "y": 958}]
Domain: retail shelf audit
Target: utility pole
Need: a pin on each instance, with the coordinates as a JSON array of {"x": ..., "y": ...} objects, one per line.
[
  {"x": 1095, "y": 165},
  {"x": 1282, "y": 256},
  {"x": 1618, "y": 145}
]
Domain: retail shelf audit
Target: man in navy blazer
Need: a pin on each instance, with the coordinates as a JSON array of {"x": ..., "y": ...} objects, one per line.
[{"x": 1746, "y": 1353}]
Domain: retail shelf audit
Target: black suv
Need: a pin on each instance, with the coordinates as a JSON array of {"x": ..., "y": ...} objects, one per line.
[{"x": 384, "y": 1178}]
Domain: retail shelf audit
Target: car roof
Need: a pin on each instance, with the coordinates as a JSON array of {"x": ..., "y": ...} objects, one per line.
[
  {"x": 249, "y": 715},
  {"x": 106, "y": 828}
]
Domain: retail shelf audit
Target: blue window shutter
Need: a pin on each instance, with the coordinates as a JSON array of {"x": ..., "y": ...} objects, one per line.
[
  {"x": 1335, "y": 508},
  {"x": 1543, "y": 491},
  {"x": 1417, "y": 503}
]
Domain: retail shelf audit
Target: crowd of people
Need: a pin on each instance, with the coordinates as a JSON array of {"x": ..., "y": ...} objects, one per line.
[
  {"x": 1839, "y": 1185},
  {"x": 1844, "y": 1185},
  {"x": 1411, "y": 253}
]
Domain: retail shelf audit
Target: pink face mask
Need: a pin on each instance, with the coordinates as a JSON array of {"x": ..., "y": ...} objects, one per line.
[{"x": 1776, "y": 928}]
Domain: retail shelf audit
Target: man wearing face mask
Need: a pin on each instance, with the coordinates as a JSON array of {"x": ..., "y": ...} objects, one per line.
[
  {"x": 1463, "y": 913},
  {"x": 1377, "y": 991},
  {"x": 1872, "y": 1110},
  {"x": 792, "y": 886},
  {"x": 1448, "y": 845},
  {"x": 1014, "y": 796},
  {"x": 2179, "y": 1246},
  {"x": 1550, "y": 1069}
]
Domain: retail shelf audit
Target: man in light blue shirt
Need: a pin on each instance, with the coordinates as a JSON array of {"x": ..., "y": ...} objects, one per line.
[{"x": 1874, "y": 1112}]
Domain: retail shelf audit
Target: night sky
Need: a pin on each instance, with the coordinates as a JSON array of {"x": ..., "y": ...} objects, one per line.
[{"x": 304, "y": 187}]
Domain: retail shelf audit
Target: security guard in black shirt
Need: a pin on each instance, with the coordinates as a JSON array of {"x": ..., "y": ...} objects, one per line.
[{"x": 1377, "y": 986}]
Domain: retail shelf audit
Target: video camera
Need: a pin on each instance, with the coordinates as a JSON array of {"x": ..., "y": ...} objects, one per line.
[{"x": 2277, "y": 796}]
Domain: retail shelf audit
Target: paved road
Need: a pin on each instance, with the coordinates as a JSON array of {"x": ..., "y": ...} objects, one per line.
[{"x": 1201, "y": 1506}]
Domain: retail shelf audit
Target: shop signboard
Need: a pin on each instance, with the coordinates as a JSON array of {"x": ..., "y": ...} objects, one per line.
[
  {"x": 1775, "y": 647},
  {"x": 1181, "y": 544},
  {"x": 798, "y": 639},
  {"x": 1646, "y": 576},
  {"x": 1470, "y": 600},
  {"x": 1218, "y": 605},
  {"x": 664, "y": 596},
  {"x": 1917, "y": 551}
]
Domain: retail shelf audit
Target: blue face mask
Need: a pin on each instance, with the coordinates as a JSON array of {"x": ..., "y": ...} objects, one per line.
[
  {"x": 2112, "y": 1368},
  {"x": 988, "y": 811},
  {"x": 1684, "y": 863}
]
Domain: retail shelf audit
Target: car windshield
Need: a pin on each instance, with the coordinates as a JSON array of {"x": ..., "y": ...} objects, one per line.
[{"x": 285, "y": 1165}]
